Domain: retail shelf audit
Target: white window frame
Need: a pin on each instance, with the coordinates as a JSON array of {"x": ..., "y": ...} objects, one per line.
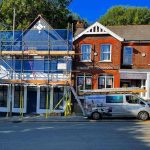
[
  {"x": 124, "y": 55},
  {"x": 89, "y": 60},
  {"x": 84, "y": 76},
  {"x": 105, "y": 76},
  {"x": 110, "y": 53}
]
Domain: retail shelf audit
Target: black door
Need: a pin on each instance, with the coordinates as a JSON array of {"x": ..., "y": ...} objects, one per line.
[{"x": 31, "y": 100}]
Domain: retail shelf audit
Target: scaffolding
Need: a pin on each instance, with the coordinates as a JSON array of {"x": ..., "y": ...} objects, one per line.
[
  {"x": 44, "y": 56},
  {"x": 36, "y": 58}
]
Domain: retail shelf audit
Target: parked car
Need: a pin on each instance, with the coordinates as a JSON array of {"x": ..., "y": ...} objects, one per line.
[{"x": 116, "y": 105}]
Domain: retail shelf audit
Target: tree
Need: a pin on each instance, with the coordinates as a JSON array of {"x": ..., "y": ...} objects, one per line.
[
  {"x": 55, "y": 12},
  {"x": 120, "y": 15}
]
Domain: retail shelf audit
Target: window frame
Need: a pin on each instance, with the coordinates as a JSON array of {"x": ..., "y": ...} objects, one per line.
[
  {"x": 124, "y": 63},
  {"x": 106, "y": 77},
  {"x": 89, "y": 60},
  {"x": 106, "y": 53},
  {"x": 84, "y": 76},
  {"x": 18, "y": 92},
  {"x": 43, "y": 91},
  {"x": 4, "y": 92}
]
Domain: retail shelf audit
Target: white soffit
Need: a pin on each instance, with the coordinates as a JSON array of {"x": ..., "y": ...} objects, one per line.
[{"x": 98, "y": 28}]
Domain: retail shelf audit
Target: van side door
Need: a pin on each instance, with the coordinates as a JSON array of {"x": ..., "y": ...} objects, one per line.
[{"x": 116, "y": 102}]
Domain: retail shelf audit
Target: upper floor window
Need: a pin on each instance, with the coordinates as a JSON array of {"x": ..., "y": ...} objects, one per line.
[
  {"x": 86, "y": 52},
  {"x": 105, "y": 52},
  {"x": 127, "y": 55}
]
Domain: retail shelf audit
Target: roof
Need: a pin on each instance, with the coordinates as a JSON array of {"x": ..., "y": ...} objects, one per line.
[
  {"x": 36, "y": 20},
  {"x": 132, "y": 32},
  {"x": 122, "y": 32},
  {"x": 78, "y": 31},
  {"x": 97, "y": 29}
]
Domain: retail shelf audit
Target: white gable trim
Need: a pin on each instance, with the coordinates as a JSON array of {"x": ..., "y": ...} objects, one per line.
[{"x": 98, "y": 28}]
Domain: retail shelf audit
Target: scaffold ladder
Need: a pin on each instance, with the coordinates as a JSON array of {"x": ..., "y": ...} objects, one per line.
[
  {"x": 78, "y": 100},
  {"x": 113, "y": 90}
]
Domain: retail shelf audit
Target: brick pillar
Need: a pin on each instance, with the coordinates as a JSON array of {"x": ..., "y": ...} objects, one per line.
[
  {"x": 95, "y": 81},
  {"x": 117, "y": 80}
]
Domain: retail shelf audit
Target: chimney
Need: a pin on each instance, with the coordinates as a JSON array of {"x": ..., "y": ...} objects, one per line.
[{"x": 79, "y": 24}]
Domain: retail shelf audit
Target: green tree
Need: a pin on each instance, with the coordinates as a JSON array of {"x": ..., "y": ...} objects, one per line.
[
  {"x": 120, "y": 15},
  {"x": 55, "y": 12}
]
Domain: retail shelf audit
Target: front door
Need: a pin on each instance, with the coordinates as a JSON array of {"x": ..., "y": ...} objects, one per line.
[{"x": 31, "y": 100}]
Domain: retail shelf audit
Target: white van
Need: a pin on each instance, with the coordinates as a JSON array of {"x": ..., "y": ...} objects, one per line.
[{"x": 118, "y": 105}]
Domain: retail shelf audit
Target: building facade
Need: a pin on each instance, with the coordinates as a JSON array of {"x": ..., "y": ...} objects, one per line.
[
  {"x": 98, "y": 58},
  {"x": 35, "y": 69},
  {"x": 113, "y": 56}
]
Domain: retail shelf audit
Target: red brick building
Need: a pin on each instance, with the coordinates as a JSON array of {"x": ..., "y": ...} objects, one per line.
[{"x": 115, "y": 56}]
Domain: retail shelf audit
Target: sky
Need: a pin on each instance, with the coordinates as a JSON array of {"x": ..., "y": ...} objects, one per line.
[{"x": 93, "y": 9}]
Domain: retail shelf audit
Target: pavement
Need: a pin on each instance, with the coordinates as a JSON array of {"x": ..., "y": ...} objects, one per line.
[
  {"x": 17, "y": 119},
  {"x": 44, "y": 119}
]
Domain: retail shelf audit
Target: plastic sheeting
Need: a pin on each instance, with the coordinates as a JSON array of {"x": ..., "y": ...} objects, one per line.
[
  {"x": 36, "y": 65},
  {"x": 43, "y": 40}
]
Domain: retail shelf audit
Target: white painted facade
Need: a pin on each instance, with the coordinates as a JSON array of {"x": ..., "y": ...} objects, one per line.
[
  {"x": 38, "y": 109},
  {"x": 143, "y": 76}
]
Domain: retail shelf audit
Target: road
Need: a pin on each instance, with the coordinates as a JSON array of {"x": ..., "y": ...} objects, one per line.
[{"x": 130, "y": 135}]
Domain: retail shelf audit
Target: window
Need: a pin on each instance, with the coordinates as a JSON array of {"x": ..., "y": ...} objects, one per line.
[
  {"x": 3, "y": 96},
  {"x": 58, "y": 95},
  {"x": 114, "y": 99},
  {"x": 84, "y": 82},
  {"x": 19, "y": 93},
  {"x": 132, "y": 99},
  {"x": 86, "y": 52},
  {"x": 105, "y": 52},
  {"x": 105, "y": 82},
  {"x": 43, "y": 97},
  {"x": 52, "y": 64},
  {"x": 127, "y": 55}
]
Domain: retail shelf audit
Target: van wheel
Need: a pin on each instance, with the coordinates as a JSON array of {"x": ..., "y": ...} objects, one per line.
[
  {"x": 96, "y": 115},
  {"x": 143, "y": 115}
]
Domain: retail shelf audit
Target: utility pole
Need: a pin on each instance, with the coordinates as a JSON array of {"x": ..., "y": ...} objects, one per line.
[{"x": 11, "y": 85}]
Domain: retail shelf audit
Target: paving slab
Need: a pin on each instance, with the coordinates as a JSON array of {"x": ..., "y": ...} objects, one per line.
[{"x": 17, "y": 119}]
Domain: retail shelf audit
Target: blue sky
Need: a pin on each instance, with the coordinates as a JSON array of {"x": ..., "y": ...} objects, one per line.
[{"x": 93, "y": 9}]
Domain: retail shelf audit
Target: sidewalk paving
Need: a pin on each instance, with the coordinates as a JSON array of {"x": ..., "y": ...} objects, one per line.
[
  {"x": 17, "y": 119},
  {"x": 44, "y": 119}
]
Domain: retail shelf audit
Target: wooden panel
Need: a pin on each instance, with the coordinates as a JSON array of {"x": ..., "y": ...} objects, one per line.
[
  {"x": 34, "y": 52},
  {"x": 37, "y": 82}
]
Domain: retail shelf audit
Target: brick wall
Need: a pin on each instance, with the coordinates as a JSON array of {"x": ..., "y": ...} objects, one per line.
[
  {"x": 96, "y": 68},
  {"x": 141, "y": 55}
]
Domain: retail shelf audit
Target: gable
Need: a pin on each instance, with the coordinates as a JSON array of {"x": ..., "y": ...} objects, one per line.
[{"x": 97, "y": 29}]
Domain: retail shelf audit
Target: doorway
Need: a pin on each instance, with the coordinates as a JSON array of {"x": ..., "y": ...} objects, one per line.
[{"x": 31, "y": 100}]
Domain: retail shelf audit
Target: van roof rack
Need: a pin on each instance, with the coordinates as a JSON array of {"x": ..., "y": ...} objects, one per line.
[{"x": 127, "y": 90}]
